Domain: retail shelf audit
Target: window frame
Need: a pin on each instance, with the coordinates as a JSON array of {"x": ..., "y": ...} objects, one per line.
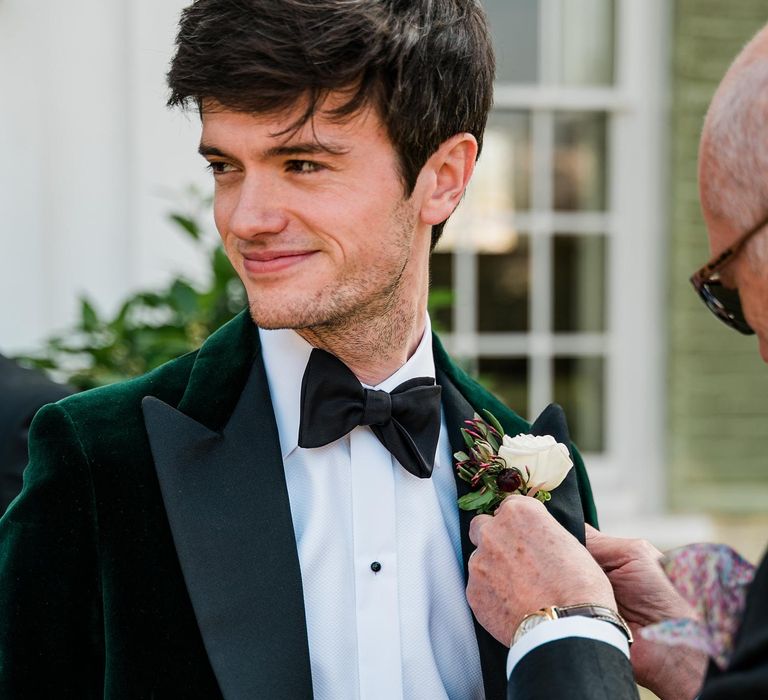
[{"x": 627, "y": 476}]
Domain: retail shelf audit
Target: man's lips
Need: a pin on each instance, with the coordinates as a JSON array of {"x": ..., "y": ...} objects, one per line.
[{"x": 259, "y": 262}]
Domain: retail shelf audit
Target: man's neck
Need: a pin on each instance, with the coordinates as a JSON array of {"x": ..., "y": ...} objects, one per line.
[{"x": 374, "y": 349}]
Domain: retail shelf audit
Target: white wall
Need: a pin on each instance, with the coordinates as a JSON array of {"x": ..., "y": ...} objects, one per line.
[{"x": 90, "y": 159}]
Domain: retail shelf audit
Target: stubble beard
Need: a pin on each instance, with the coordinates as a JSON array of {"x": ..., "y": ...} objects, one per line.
[{"x": 366, "y": 314}]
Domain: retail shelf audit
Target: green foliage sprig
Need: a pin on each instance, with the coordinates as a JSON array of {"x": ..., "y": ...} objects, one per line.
[{"x": 150, "y": 327}]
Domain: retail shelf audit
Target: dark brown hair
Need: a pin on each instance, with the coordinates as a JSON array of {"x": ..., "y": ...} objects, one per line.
[{"x": 427, "y": 66}]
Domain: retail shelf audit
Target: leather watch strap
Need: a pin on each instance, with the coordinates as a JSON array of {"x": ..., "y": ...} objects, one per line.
[{"x": 597, "y": 612}]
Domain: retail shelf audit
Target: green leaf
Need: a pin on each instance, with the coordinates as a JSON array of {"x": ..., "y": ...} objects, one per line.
[
  {"x": 222, "y": 268},
  {"x": 486, "y": 451},
  {"x": 88, "y": 315},
  {"x": 440, "y": 298},
  {"x": 460, "y": 456},
  {"x": 186, "y": 224},
  {"x": 490, "y": 482},
  {"x": 477, "y": 500},
  {"x": 493, "y": 421},
  {"x": 151, "y": 326},
  {"x": 465, "y": 474},
  {"x": 468, "y": 439},
  {"x": 184, "y": 299}
]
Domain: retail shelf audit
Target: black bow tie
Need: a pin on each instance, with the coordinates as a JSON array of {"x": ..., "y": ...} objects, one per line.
[{"x": 406, "y": 421}]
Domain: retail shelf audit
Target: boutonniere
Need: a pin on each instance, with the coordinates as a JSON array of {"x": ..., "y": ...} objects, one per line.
[{"x": 497, "y": 465}]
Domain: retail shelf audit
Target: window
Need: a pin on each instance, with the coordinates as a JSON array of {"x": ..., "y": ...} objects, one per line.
[{"x": 539, "y": 254}]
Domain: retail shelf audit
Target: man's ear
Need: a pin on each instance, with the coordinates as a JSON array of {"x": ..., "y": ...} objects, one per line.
[{"x": 445, "y": 176}]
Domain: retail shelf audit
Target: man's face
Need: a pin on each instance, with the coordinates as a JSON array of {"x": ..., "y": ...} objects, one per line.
[{"x": 315, "y": 223}]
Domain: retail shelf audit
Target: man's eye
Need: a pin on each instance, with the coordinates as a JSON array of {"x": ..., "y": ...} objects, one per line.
[
  {"x": 302, "y": 166},
  {"x": 219, "y": 168}
]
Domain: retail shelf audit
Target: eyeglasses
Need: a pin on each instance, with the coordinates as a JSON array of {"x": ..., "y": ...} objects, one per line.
[{"x": 722, "y": 301}]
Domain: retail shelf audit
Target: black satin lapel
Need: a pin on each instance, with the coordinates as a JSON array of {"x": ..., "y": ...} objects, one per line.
[
  {"x": 565, "y": 505},
  {"x": 457, "y": 409},
  {"x": 227, "y": 504},
  {"x": 493, "y": 655}
]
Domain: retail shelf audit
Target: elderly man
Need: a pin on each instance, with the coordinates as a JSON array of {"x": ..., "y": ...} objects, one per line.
[
  {"x": 734, "y": 196},
  {"x": 275, "y": 515}
]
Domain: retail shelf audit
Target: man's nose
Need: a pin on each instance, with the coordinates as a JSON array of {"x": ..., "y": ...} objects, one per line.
[{"x": 258, "y": 209}]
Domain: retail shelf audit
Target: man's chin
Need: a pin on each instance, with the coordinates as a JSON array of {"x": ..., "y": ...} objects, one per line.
[
  {"x": 270, "y": 323},
  {"x": 331, "y": 309},
  {"x": 272, "y": 319}
]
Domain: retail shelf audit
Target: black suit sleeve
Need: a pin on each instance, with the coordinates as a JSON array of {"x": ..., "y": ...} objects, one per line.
[
  {"x": 574, "y": 669},
  {"x": 747, "y": 674}
]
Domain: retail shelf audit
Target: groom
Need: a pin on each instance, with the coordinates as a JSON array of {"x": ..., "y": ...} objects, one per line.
[{"x": 274, "y": 515}]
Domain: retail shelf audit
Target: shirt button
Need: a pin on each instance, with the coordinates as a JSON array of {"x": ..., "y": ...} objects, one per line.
[{"x": 375, "y": 567}]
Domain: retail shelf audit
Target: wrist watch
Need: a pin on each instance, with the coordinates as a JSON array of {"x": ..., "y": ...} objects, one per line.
[{"x": 598, "y": 612}]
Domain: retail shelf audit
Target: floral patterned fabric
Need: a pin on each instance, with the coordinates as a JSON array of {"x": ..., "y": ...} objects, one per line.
[{"x": 714, "y": 579}]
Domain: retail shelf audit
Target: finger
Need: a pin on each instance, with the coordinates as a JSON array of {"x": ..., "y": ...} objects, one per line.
[
  {"x": 598, "y": 543},
  {"x": 593, "y": 536},
  {"x": 609, "y": 552},
  {"x": 516, "y": 500},
  {"x": 516, "y": 507},
  {"x": 476, "y": 525}
]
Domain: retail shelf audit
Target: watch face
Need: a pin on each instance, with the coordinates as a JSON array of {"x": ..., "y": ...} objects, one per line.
[
  {"x": 529, "y": 622},
  {"x": 532, "y": 621}
]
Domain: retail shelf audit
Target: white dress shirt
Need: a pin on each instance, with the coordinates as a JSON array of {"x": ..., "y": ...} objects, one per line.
[{"x": 379, "y": 549}]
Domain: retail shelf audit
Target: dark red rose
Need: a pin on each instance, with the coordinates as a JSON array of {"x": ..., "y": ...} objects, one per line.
[{"x": 509, "y": 480}]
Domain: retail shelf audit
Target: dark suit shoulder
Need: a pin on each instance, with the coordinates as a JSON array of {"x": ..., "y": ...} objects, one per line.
[
  {"x": 204, "y": 383},
  {"x": 167, "y": 382},
  {"x": 574, "y": 668},
  {"x": 108, "y": 420}
]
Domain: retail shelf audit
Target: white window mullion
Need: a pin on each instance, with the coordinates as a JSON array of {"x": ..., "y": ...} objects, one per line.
[
  {"x": 465, "y": 293},
  {"x": 550, "y": 28},
  {"x": 542, "y": 195},
  {"x": 540, "y": 393}
]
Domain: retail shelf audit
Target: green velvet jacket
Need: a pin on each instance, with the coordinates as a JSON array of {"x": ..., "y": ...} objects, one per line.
[{"x": 151, "y": 552}]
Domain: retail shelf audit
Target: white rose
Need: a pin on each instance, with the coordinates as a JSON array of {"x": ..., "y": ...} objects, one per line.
[{"x": 546, "y": 461}]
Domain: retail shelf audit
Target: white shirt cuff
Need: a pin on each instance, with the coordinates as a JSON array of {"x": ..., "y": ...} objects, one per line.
[{"x": 576, "y": 626}]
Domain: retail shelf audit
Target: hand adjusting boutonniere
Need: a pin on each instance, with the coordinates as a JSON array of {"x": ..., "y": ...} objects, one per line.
[{"x": 497, "y": 465}]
